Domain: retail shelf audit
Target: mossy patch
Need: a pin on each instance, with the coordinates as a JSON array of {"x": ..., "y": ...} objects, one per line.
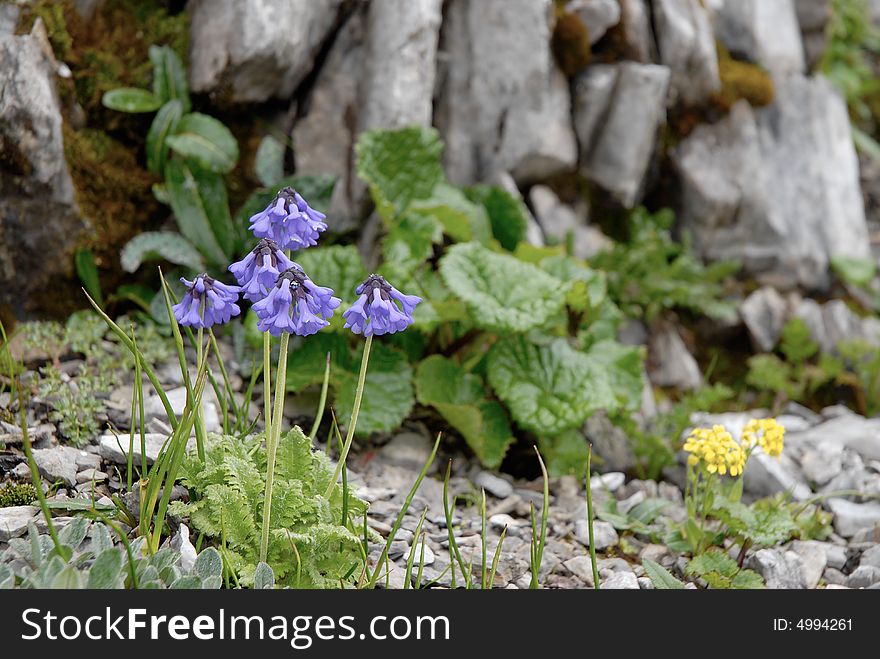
[
  {"x": 17, "y": 494},
  {"x": 742, "y": 80},
  {"x": 571, "y": 43}
]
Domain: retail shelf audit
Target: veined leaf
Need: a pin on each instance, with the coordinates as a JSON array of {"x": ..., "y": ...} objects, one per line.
[
  {"x": 502, "y": 293},
  {"x": 339, "y": 267},
  {"x": 460, "y": 397},
  {"x": 269, "y": 161},
  {"x": 548, "y": 388},
  {"x": 461, "y": 219},
  {"x": 507, "y": 214},
  {"x": 164, "y": 124},
  {"x": 205, "y": 141},
  {"x": 409, "y": 243},
  {"x": 154, "y": 245},
  {"x": 169, "y": 77},
  {"x": 131, "y": 100},
  {"x": 660, "y": 576}
]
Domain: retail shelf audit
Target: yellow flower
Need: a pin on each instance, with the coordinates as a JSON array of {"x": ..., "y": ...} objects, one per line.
[
  {"x": 716, "y": 449},
  {"x": 767, "y": 433}
]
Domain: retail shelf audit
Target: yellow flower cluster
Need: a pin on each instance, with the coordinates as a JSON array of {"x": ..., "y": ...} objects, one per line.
[
  {"x": 767, "y": 433},
  {"x": 717, "y": 449}
]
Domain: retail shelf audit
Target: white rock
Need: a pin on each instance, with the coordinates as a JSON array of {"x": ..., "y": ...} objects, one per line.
[
  {"x": 847, "y": 431},
  {"x": 14, "y": 521},
  {"x": 813, "y": 17},
  {"x": 762, "y": 31},
  {"x": 407, "y": 449},
  {"x": 57, "y": 463},
  {"x": 686, "y": 43},
  {"x": 670, "y": 364},
  {"x": 561, "y": 223},
  {"x": 253, "y": 51},
  {"x": 763, "y": 313},
  {"x": 503, "y": 105},
  {"x": 596, "y": 15},
  {"x": 154, "y": 409},
  {"x": 814, "y": 560},
  {"x": 841, "y": 324},
  {"x": 638, "y": 36},
  {"x": 620, "y": 580},
  {"x": 611, "y": 481},
  {"x": 810, "y": 312},
  {"x": 623, "y": 142},
  {"x": 90, "y": 475},
  {"x": 871, "y": 557},
  {"x": 604, "y": 534},
  {"x": 767, "y": 476},
  {"x": 850, "y": 517},
  {"x": 115, "y": 449},
  {"x": 864, "y": 576},
  {"x": 494, "y": 485},
  {"x": 781, "y": 570},
  {"x": 582, "y": 568}
]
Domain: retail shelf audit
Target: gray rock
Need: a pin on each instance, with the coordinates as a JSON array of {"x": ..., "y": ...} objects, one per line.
[
  {"x": 811, "y": 313},
  {"x": 847, "y": 431},
  {"x": 841, "y": 324},
  {"x": 561, "y": 223},
  {"x": 814, "y": 559},
  {"x": 762, "y": 31},
  {"x": 593, "y": 90},
  {"x": 8, "y": 19},
  {"x": 116, "y": 450},
  {"x": 416, "y": 552},
  {"x": 871, "y": 557},
  {"x": 90, "y": 475},
  {"x": 494, "y": 485},
  {"x": 58, "y": 463},
  {"x": 609, "y": 442},
  {"x": 766, "y": 476},
  {"x": 763, "y": 313},
  {"x": 777, "y": 190},
  {"x": 582, "y": 568},
  {"x": 638, "y": 37},
  {"x": 14, "y": 521},
  {"x": 623, "y": 141},
  {"x": 596, "y": 15},
  {"x": 325, "y": 133},
  {"x": 670, "y": 364},
  {"x": 620, "y": 581},
  {"x": 864, "y": 576},
  {"x": 407, "y": 449},
  {"x": 503, "y": 105},
  {"x": 686, "y": 43},
  {"x": 604, "y": 534},
  {"x": 820, "y": 466},
  {"x": 153, "y": 408},
  {"x": 35, "y": 173},
  {"x": 836, "y": 555},
  {"x": 813, "y": 17},
  {"x": 610, "y": 480},
  {"x": 834, "y": 577},
  {"x": 850, "y": 517},
  {"x": 251, "y": 52},
  {"x": 781, "y": 570}
]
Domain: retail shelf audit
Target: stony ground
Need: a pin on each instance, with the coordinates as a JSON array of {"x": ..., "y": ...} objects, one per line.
[{"x": 835, "y": 451}]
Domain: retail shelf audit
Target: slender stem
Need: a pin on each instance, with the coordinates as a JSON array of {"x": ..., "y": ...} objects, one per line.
[
  {"x": 272, "y": 444},
  {"x": 201, "y": 435},
  {"x": 267, "y": 382},
  {"x": 322, "y": 403},
  {"x": 358, "y": 396},
  {"x": 590, "y": 519}
]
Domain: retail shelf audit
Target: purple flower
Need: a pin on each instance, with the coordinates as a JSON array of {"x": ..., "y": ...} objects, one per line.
[
  {"x": 295, "y": 305},
  {"x": 257, "y": 272},
  {"x": 289, "y": 221},
  {"x": 207, "y": 302},
  {"x": 376, "y": 310}
]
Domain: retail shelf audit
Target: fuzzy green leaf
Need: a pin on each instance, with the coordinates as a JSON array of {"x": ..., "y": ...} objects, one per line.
[
  {"x": 507, "y": 214},
  {"x": 409, "y": 243},
  {"x": 160, "y": 245},
  {"x": 565, "y": 454},
  {"x": 720, "y": 571},
  {"x": 164, "y": 124},
  {"x": 264, "y": 578},
  {"x": 461, "y": 219},
  {"x": 206, "y": 141},
  {"x": 269, "y": 161},
  {"x": 169, "y": 77},
  {"x": 106, "y": 572},
  {"x": 660, "y": 576},
  {"x": 131, "y": 100},
  {"x": 399, "y": 166},
  {"x": 460, "y": 397},
  {"x": 548, "y": 388},
  {"x": 198, "y": 199},
  {"x": 208, "y": 567},
  {"x": 502, "y": 293}
]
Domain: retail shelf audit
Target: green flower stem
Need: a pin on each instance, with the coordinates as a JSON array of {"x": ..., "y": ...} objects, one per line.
[
  {"x": 272, "y": 439},
  {"x": 267, "y": 382},
  {"x": 590, "y": 519},
  {"x": 201, "y": 435},
  {"x": 358, "y": 396},
  {"x": 322, "y": 403}
]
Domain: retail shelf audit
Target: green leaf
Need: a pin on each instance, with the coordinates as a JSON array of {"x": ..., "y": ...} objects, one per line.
[
  {"x": 74, "y": 533},
  {"x": 208, "y": 565},
  {"x": 269, "y": 161},
  {"x": 7, "y": 577},
  {"x": 720, "y": 571},
  {"x": 169, "y": 77},
  {"x": 164, "y": 124},
  {"x": 409, "y": 243},
  {"x": 199, "y": 211},
  {"x": 88, "y": 274},
  {"x": 507, "y": 214},
  {"x": 587, "y": 287},
  {"x": 160, "y": 245},
  {"x": 206, "y": 141},
  {"x": 264, "y": 578},
  {"x": 187, "y": 582},
  {"x": 461, "y": 219},
  {"x": 565, "y": 454},
  {"x": 131, "y": 100},
  {"x": 68, "y": 579},
  {"x": 339, "y": 267},
  {"x": 548, "y": 388},
  {"x": 502, "y": 293},
  {"x": 399, "y": 166},
  {"x": 623, "y": 366},
  {"x": 305, "y": 366},
  {"x": 859, "y": 272},
  {"x": 660, "y": 576},
  {"x": 460, "y": 397},
  {"x": 106, "y": 572}
]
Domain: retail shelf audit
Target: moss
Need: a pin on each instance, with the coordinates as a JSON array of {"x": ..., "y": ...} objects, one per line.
[
  {"x": 17, "y": 494},
  {"x": 571, "y": 43},
  {"x": 112, "y": 190},
  {"x": 742, "y": 80}
]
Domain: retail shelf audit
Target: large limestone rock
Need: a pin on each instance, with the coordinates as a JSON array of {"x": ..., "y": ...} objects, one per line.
[
  {"x": 39, "y": 218},
  {"x": 503, "y": 105},
  {"x": 777, "y": 189},
  {"x": 763, "y": 31},
  {"x": 638, "y": 37},
  {"x": 618, "y": 109},
  {"x": 596, "y": 15},
  {"x": 813, "y": 17},
  {"x": 686, "y": 42},
  {"x": 253, "y": 51}
]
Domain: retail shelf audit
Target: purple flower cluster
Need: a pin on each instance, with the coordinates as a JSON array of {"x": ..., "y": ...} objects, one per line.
[
  {"x": 376, "y": 310},
  {"x": 289, "y": 221},
  {"x": 207, "y": 302},
  {"x": 295, "y": 305},
  {"x": 257, "y": 272}
]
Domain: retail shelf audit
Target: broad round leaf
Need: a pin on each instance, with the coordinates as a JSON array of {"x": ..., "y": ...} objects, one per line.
[
  {"x": 131, "y": 100},
  {"x": 206, "y": 141},
  {"x": 502, "y": 293}
]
